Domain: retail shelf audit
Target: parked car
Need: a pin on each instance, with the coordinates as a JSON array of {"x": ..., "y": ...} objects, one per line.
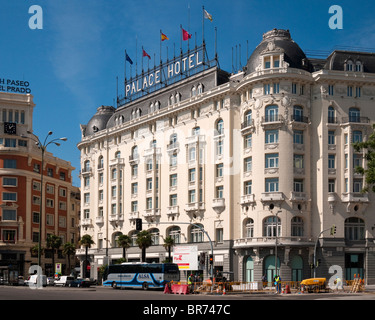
[
  {"x": 35, "y": 280},
  {"x": 50, "y": 281},
  {"x": 64, "y": 281},
  {"x": 80, "y": 283}
]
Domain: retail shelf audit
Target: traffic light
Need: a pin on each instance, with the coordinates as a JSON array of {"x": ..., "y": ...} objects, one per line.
[
  {"x": 333, "y": 230},
  {"x": 211, "y": 259},
  {"x": 138, "y": 224}
]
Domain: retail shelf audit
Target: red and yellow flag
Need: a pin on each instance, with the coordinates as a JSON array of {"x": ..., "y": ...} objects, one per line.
[{"x": 164, "y": 37}]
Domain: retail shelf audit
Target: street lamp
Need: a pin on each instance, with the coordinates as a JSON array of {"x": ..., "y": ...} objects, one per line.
[
  {"x": 277, "y": 226},
  {"x": 43, "y": 148}
]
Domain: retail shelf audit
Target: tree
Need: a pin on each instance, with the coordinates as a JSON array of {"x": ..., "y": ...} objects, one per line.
[
  {"x": 368, "y": 149},
  {"x": 124, "y": 242},
  {"x": 143, "y": 241},
  {"x": 54, "y": 242},
  {"x": 34, "y": 250},
  {"x": 168, "y": 244},
  {"x": 86, "y": 241},
  {"x": 69, "y": 249}
]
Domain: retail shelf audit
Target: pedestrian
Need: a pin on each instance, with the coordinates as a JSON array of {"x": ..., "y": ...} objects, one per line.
[
  {"x": 264, "y": 280},
  {"x": 190, "y": 282},
  {"x": 339, "y": 285},
  {"x": 278, "y": 283}
]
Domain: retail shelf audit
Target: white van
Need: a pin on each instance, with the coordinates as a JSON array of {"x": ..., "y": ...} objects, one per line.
[
  {"x": 34, "y": 281},
  {"x": 64, "y": 281}
]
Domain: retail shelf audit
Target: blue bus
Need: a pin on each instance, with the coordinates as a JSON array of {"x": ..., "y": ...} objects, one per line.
[{"x": 140, "y": 275}]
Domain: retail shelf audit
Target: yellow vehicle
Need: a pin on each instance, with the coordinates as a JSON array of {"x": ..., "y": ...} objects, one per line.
[{"x": 314, "y": 284}]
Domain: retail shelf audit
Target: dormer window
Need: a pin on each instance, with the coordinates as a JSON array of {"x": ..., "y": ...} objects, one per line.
[
  {"x": 358, "y": 66},
  {"x": 271, "y": 61},
  {"x": 349, "y": 65}
]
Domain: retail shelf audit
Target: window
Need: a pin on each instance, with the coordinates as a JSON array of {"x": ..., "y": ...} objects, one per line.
[
  {"x": 173, "y": 200},
  {"x": 50, "y": 220},
  {"x": 297, "y": 227},
  {"x": 357, "y": 160},
  {"x": 219, "y": 147},
  {"x": 248, "y": 141},
  {"x": 298, "y": 113},
  {"x": 192, "y": 154},
  {"x": 134, "y": 188},
  {"x": 192, "y": 196},
  {"x": 175, "y": 233},
  {"x": 331, "y": 185},
  {"x": 298, "y": 185},
  {"x": 50, "y": 203},
  {"x": 149, "y": 184},
  {"x": 11, "y": 143},
  {"x": 192, "y": 175},
  {"x": 101, "y": 195},
  {"x": 247, "y": 187},
  {"x": 267, "y": 89},
  {"x": 36, "y": 217},
  {"x": 271, "y": 113},
  {"x": 357, "y": 136},
  {"x": 114, "y": 192},
  {"x": 354, "y": 229},
  {"x": 276, "y": 88},
  {"x": 358, "y": 66},
  {"x": 134, "y": 169},
  {"x": 50, "y": 172},
  {"x": 248, "y": 164},
  {"x": 50, "y": 189},
  {"x": 149, "y": 164},
  {"x": 249, "y": 228},
  {"x": 134, "y": 206},
  {"x": 248, "y": 118},
  {"x": 196, "y": 234},
  {"x": 331, "y": 161},
  {"x": 9, "y": 182},
  {"x": 9, "y": 196},
  {"x": 331, "y": 137},
  {"x": 271, "y": 227},
  {"x": 357, "y": 185},
  {"x": 358, "y": 92},
  {"x": 173, "y": 180},
  {"x": 272, "y": 136},
  {"x": 298, "y": 161},
  {"x": 10, "y": 163},
  {"x": 62, "y": 192},
  {"x": 349, "y": 65},
  {"x": 349, "y": 91},
  {"x": 298, "y": 136},
  {"x": 219, "y": 170},
  {"x": 114, "y": 174},
  {"x": 354, "y": 115},
  {"x": 9, "y": 215},
  {"x": 220, "y": 127},
  {"x": 331, "y": 90},
  {"x": 294, "y": 88},
  {"x": 272, "y": 184},
  {"x": 220, "y": 192},
  {"x": 272, "y": 160},
  {"x": 87, "y": 198}
]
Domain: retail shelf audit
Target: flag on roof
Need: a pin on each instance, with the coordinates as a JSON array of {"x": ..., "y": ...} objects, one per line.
[
  {"x": 207, "y": 15},
  {"x": 145, "y": 54},
  {"x": 185, "y": 35},
  {"x": 164, "y": 37},
  {"x": 128, "y": 59}
]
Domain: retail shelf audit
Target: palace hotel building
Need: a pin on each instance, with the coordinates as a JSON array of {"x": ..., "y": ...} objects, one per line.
[
  {"x": 20, "y": 190},
  {"x": 261, "y": 159}
]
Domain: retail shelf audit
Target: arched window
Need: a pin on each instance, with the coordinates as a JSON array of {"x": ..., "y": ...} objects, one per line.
[
  {"x": 349, "y": 65},
  {"x": 249, "y": 228},
  {"x": 297, "y": 227},
  {"x": 269, "y": 267},
  {"x": 100, "y": 162},
  {"x": 354, "y": 115},
  {"x": 200, "y": 88},
  {"x": 220, "y": 126},
  {"x": 193, "y": 91},
  {"x": 173, "y": 139},
  {"x": 358, "y": 66},
  {"x": 354, "y": 229},
  {"x": 135, "y": 152},
  {"x": 86, "y": 166},
  {"x": 114, "y": 174},
  {"x": 331, "y": 115},
  {"x": 297, "y": 113},
  {"x": 269, "y": 226},
  {"x": 271, "y": 113},
  {"x": 133, "y": 237},
  {"x": 118, "y": 154},
  {"x": 115, "y": 238},
  {"x": 152, "y": 107},
  {"x": 297, "y": 268},
  {"x": 155, "y": 233},
  {"x": 195, "y": 131},
  {"x": 249, "y": 269},
  {"x": 175, "y": 233},
  {"x": 178, "y": 97},
  {"x": 248, "y": 118},
  {"x": 196, "y": 233}
]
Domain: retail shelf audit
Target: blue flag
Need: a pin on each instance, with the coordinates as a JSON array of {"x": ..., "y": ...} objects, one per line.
[{"x": 128, "y": 59}]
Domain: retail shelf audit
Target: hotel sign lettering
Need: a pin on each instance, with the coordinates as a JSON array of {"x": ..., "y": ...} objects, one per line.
[
  {"x": 167, "y": 73},
  {"x": 14, "y": 86}
]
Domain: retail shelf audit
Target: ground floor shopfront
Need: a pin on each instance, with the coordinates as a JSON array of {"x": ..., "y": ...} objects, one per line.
[{"x": 248, "y": 263}]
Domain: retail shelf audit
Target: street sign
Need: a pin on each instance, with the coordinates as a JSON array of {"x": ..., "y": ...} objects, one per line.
[{"x": 186, "y": 257}]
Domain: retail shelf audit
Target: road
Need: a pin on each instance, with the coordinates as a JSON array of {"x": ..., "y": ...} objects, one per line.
[{"x": 149, "y": 304}]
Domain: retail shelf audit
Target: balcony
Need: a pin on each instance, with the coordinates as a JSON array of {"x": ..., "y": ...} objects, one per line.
[
  {"x": 354, "y": 197},
  {"x": 247, "y": 199},
  {"x": 133, "y": 215},
  {"x": 356, "y": 119},
  {"x": 134, "y": 158},
  {"x": 86, "y": 222},
  {"x": 272, "y": 121},
  {"x": 272, "y": 196},
  {"x": 173, "y": 146},
  {"x": 218, "y": 205},
  {"x": 195, "y": 139},
  {"x": 151, "y": 152},
  {"x": 194, "y": 206},
  {"x": 173, "y": 210},
  {"x": 117, "y": 162},
  {"x": 116, "y": 217},
  {"x": 298, "y": 196},
  {"x": 99, "y": 220},
  {"x": 151, "y": 213},
  {"x": 299, "y": 121},
  {"x": 247, "y": 126}
]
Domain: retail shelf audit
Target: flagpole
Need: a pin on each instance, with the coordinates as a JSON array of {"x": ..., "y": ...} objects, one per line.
[
  {"x": 125, "y": 67},
  {"x": 160, "y": 45},
  {"x": 136, "y": 55},
  {"x": 142, "y": 59},
  {"x": 203, "y": 27},
  {"x": 181, "y": 39}
]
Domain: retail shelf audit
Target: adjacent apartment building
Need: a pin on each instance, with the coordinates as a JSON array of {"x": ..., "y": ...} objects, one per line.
[
  {"x": 261, "y": 159},
  {"x": 20, "y": 189}
]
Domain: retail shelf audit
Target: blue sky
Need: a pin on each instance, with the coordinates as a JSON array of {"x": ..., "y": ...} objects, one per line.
[{"x": 73, "y": 62}]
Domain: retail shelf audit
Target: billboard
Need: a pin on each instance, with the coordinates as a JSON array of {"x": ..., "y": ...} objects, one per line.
[{"x": 186, "y": 257}]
